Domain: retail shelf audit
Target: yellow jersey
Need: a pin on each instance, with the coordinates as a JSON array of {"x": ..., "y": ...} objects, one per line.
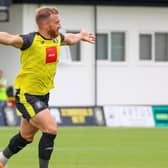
[{"x": 39, "y": 59}]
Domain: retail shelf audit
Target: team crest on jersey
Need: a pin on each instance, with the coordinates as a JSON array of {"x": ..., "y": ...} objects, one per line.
[
  {"x": 55, "y": 40},
  {"x": 42, "y": 42}
]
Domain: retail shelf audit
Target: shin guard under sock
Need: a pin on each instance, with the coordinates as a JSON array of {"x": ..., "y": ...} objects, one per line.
[
  {"x": 46, "y": 146},
  {"x": 16, "y": 144}
]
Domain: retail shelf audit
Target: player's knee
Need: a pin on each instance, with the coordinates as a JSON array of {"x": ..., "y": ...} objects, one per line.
[
  {"x": 28, "y": 135},
  {"x": 29, "y": 138},
  {"x": 52, "y": 129}
]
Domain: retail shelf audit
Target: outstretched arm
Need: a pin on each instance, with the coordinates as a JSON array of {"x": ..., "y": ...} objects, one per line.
[
  {"x": 11, "y": 40},
  {"x": 70, "y": 38}
]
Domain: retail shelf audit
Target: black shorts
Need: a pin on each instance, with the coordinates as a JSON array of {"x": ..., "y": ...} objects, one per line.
[{"x": 29, "y": 105}]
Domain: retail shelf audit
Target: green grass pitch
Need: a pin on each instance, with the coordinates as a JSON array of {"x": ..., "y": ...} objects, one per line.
[{"x": 97, "y": 147}]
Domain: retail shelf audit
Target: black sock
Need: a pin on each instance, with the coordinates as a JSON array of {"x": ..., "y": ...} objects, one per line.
[
  {"x": 46, "y": 146},
  {"x": 43, "y": 163},
  {"x": 7, "y": 152},
  {"x": 16, "y": 144}
]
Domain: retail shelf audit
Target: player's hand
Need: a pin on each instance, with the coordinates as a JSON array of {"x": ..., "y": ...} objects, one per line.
[{"x": 88, "y": 37}]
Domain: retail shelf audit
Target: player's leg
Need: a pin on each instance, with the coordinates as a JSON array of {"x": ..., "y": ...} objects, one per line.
[
  {"x": 19, "y": 141},
  {"x": 35, "y": 108},
  {"x": 27, "y": 130},
  {"x": 45, "y": 122}
]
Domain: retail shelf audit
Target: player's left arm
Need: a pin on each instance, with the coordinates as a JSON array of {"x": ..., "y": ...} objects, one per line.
[{"x": 74, "y": 38}]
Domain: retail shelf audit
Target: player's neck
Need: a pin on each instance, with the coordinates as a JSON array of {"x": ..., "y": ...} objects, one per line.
[{"x": 44, "y": 34}]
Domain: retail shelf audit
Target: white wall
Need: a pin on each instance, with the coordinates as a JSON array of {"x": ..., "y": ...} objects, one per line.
[
  {"x": 28, "y": 21},
  {"x": 132, "y": 82},
  {"x": 9, "y": 57}
]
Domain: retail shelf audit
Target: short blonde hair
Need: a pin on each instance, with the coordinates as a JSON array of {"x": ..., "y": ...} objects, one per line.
[{"x": 43, "y": 13}]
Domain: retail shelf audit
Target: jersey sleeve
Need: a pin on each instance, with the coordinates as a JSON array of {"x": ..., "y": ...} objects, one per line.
[
  {"x": 62, "y": 37},
  {"x": 27, "y": 40}
]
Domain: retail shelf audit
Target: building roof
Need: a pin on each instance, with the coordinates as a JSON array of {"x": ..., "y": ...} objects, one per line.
[{"x": 99, "y": 2}]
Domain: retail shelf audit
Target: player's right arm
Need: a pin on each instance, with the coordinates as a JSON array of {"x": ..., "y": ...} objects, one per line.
[{"x": 11, "y": 40}]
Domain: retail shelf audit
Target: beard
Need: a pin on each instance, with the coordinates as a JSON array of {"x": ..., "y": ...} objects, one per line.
[{"x": 53, "y": 33}]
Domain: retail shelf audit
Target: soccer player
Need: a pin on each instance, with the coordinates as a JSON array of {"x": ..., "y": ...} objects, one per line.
[{"x": 39, "y": 58}]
